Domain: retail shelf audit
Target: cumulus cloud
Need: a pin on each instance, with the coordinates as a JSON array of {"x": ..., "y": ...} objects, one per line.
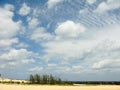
[
  {"x": 9, "y": 7},
  {"x": 40, "y": 34},
  {"x": 103, "y": 64},
  {"x": 8, "y": 42},
  {"x": 33, "y": 22},
  {"x": 65, "y": 50},
  {"x": 14, "y": 54},
  {"x": 106, "y": 59},
  {"x": 91, "y": 1},
  {"x": 16, "y": 57},
  {"x": 22, "y": 45},
  {"x": 24, "y": 10},
  {"x": 52, "y": 3},
  {"x": 108, "y": 5},
  {"x": 8, "y": 27},
  {"x": 69, "y": 29},
  {"x": 97, "y": 52}
]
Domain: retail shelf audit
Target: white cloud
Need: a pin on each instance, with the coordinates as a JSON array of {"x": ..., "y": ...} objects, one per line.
[
  {"x": 8, "y": 42},
  {"x": 8, "y": 27},
  {"x": 9, "y": 7},
  {"x": 36, "y": 69},
  {"x": 111, "y": 65},
  {"x": 51, "y": 65},
  {"x": 24, "y": 10},
  {"x": 111, "y": 32},
  {"x": 102, "y": 7},
  {"x": 33, "y": 23},
  {"x": 108, "y": 5},
  {"x": 104, "y": 56},
  {"x": 67, "y": 49},
  {"x": 91, "y": 1},
  {"x": 52, "y": 3},
  {"x": 96, "y": 52},
  {"x": 101, "y": 65},
  {"x": 69, "y": 29},
  {"x": 83, "y": 11},
  {"x": 22, "y": 45},
  {"x": 40, "y": 34},
  {"x": 26, "y": 61},
  {"x": 14, "y": 54}
]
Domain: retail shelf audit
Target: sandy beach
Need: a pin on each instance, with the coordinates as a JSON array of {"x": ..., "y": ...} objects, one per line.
[{"x": 47, "y": 87}]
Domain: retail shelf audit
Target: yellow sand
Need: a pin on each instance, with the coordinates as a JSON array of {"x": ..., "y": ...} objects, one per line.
[{"x": 46, "y": 87}]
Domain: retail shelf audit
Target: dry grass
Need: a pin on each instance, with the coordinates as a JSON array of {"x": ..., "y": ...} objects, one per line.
[{"x": 46, "y": 87}]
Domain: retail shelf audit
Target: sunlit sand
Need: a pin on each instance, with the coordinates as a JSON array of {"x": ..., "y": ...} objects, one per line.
[{"x": 47, "y": 87}]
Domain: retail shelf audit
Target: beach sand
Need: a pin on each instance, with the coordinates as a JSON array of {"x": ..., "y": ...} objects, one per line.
[{"x": 54, "y": 87}]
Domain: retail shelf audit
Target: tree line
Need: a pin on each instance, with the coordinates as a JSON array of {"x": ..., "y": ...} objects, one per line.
[
  {"x": 96, "y": 82},
  {"x": 44, "y": 79},
  {"x": 52, "y": 80}
]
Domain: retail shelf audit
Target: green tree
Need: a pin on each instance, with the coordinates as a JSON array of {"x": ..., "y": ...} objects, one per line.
[
  {"x": 59, "y": 81},
  {"x": 37, "y": 79},
  {"x": 52, "y": 80},
  {"x": 48, "y": 79},
  {"x": 45, "y": 78},
  {"x": 32, "y": 80}
]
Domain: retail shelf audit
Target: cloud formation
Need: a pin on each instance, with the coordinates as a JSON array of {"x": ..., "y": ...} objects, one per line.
[
  {"x": 52, "y": 3},
  {"x": 40, "y": 34},
  {"x": 69, "y": 29},
  {"x": 108, "y": 5},
  {"x": 91, "y": 1},
  {"x": 6, "y": 19},
  {"x": 8, "y": 27},
  {"x": 61, "y": 36},
  {"x": 24, "y": 10}
]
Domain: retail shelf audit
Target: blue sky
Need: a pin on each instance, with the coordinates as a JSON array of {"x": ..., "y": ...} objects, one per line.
[{"x": 72, "y": 39}]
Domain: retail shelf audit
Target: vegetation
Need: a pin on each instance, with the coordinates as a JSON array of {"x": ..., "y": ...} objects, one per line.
[
  {"x": 96, "y": 82},
  {"x": 52, "y": 80},
  {"x": 44, "y": 79}
]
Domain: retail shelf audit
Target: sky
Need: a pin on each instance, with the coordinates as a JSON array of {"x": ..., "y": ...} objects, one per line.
[{"x": 77, "y": 40}]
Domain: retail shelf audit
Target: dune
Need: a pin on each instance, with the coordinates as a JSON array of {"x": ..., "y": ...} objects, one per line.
[
  {"x": 48, "y": 87},
  {"x": 9, "y": 80}
]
